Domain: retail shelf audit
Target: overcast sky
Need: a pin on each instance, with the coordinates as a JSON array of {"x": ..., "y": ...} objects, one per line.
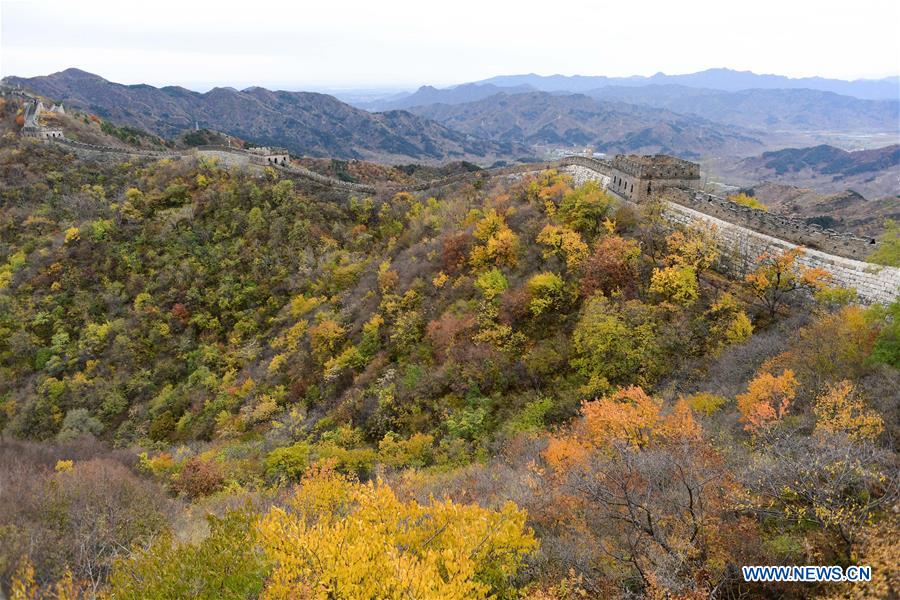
[{"x": 405, "y": 43}]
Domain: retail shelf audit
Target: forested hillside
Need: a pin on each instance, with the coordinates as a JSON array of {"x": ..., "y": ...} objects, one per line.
[{"x": 227, "y": 384}]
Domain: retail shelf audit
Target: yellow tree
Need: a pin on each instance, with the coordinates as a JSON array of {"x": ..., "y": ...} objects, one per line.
[
  {"x": 675, "y": 284},
  {"x": 341, "y": 538},
  {"x": 778, "y": 275},
  {"x": 565, "y": 243},
  {"x": 500, "y": 245},
  {"x": 839, "y": 409},
  {"x": 694, "y": 248}
]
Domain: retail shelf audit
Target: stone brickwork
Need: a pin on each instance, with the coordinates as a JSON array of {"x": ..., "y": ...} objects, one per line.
[
  {"x": 740, "y": 246},
  {"x": 794, "y": 230}
]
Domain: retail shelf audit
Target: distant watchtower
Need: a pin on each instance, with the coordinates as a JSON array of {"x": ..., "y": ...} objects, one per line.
[
  {"x": 271, "y": 156},
  {"x": 637, "y": 177},
  {"x": 33, "y": 128}
]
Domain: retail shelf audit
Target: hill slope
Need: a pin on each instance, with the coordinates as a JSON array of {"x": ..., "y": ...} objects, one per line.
[
  {"x": 872, "y": 173},
  {"x": 305, "y": 123}
]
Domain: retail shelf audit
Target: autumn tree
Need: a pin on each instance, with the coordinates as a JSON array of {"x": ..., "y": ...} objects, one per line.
[
  {"x": 694, "y": 247},
  {"x": 777, "y": 276},
  {"x": 628, "y": 416},
  {"x": 499, "y": 244},
  {"x": 728, "y": 323},
  {"x": 840, "y": 409},
  {"x": 677, "y": 285},
  {"x": 564, "y": 243},
  {"x": 611, "y": 266},
  {"x": 548, "y": 188},
  {"x": 877, "y": 548},
  {"x": 361, "y": 541},
  {"x": 766, "y": 400},
  {"x": 546, "y": 292},
  {"x": 584, "y": 208},
  {"x": 833, "y": 347},
  {"x": 648, "y": 489},
  {"x": 616, "y": 343}
]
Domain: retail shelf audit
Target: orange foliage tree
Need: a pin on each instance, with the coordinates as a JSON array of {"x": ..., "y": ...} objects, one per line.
[
  {"x": 766, "y": 400},
  {"x": 640, "y": 483}
]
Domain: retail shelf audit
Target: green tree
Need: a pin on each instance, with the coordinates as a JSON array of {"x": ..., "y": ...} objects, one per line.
[
  {"x": 227, "y": 564},
  {"x": 616, "y": 344}
]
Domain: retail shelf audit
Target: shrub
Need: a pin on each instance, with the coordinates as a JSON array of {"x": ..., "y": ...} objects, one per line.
[
  {"x": 288, "y": 463},
  {"x": 492, "y": 283},
  {"x": 706, "y": 403},
  {"x": 227, "y": 564},
  {"x": 78, "y": 422},
  {"x": 198, "y": 477}
]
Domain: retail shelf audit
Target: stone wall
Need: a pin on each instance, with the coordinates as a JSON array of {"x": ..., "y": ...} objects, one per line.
[
  {"x": 794, "y": 230},
  {"x": 744, "y": 234},
  {"x": 739, "y": 247}
]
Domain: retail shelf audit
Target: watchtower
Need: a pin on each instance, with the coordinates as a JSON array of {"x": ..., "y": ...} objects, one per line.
[{"x": 637, "y": 177}]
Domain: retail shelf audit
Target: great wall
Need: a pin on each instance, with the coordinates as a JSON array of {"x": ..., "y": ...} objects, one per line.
[{"x": 742, "y": 233}]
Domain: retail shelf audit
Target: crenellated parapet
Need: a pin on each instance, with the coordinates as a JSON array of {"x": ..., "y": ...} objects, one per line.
[{"x": 787, "y": 228}]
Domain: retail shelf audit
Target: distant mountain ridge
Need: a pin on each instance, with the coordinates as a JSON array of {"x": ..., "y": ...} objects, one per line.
[
  {"x": 460, "y": 94},
  {"x": 779, "y": 109},
  {"x": 304, "y": 122},
  {"x": 566, "y": 120},
  {"x": 797, "y": 110},
  {"x": 718, "y": 79},
  {"x": 829, "y": 160}
]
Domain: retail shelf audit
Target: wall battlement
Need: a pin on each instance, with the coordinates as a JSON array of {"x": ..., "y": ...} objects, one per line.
[
  {"x": 681, "y": 191},
  {"x": 786, "y": 228}
]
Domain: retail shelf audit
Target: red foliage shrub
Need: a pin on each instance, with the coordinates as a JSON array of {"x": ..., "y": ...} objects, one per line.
[
  {"x": 179, "y": 311},
  {"x": 455, "y": 252},
  {"x": 198, "y": 477},
  {"x": 446, "y": 331},
  {"x": 613, "y": 265}
]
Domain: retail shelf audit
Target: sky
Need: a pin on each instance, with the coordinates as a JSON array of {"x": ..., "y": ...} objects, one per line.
[{"x": 402, "y": 44}]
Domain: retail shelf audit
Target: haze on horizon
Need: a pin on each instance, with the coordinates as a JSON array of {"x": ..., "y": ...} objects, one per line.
[{"x": 405, "y": 43}]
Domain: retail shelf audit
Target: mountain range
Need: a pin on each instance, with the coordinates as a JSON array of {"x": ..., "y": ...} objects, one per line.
[
  {"x": 304, "y": 122},
  {"x": 509, "y": 118},
  {"x": 541, "y": 118},
  {"x": 785, "y": 110},
  {"x": 717, "y": 79},
  {"x": 771, "y": 109}
]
